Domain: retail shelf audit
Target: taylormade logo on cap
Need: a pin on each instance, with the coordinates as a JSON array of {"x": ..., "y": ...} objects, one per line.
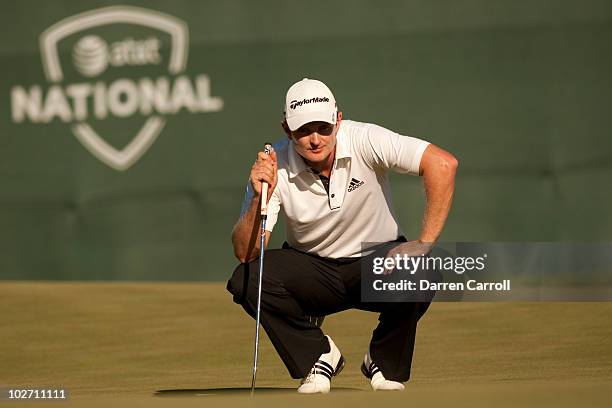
[
  {"x": 295, "y": 104},
  {"x": 308, "y": 101}
]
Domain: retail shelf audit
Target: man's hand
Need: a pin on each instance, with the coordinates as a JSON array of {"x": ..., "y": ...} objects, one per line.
[
  {"x": 246, "y": 230},
  {"x": 264, "y": 169},
  {"x": 409, "y": 249}
]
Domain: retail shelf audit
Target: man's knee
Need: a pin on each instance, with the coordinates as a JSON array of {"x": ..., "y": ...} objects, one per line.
[
  {"x": 244, "y": 283},
  {"x": 237, "y": 285}
]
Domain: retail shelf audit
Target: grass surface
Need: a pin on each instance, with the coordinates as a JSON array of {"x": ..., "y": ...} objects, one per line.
[{"x": 126, "y": 341}]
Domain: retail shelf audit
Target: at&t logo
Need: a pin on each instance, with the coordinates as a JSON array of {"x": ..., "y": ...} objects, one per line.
[{"x": 101, "y": 95}]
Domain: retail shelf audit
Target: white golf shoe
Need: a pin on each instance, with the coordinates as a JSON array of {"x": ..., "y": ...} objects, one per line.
[
  {"x": 376, "y": 377},
  {"x": 327, "y": 366}
]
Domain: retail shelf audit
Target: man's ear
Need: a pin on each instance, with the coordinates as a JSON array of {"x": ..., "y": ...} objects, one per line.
[{"x": 286, "y": 128}]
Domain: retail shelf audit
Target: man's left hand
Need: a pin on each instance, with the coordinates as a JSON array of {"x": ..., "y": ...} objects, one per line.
[{"x": 411, "y": 248}]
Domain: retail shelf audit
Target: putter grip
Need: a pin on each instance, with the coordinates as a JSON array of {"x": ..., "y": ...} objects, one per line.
[{"x": 264, "y": 186}]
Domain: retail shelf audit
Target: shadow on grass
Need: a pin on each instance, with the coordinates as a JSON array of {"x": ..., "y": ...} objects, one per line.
[{"x": 203, "y": 392}]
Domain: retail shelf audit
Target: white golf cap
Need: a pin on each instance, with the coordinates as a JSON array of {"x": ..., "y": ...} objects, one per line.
[{"x": 307, "y": 101}]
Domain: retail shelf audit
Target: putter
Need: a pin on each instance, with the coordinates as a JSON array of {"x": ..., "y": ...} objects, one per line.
[{"x": 262, "y": 243}]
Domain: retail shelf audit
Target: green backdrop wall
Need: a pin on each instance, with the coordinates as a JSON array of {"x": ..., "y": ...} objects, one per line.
[{"x": 519, "y": 91}]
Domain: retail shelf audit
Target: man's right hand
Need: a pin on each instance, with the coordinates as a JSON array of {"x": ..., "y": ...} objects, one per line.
[
  {"x": 246, "y": 230},
  {"x": 264, "y": 169}
]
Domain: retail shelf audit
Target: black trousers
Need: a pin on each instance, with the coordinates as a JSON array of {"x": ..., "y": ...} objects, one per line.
[{"x": 297, "y": 285}]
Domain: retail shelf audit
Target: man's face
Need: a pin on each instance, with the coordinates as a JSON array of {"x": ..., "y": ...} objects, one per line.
[{"x": 315, "y": 141}]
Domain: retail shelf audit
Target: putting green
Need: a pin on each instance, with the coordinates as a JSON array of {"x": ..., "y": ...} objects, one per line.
[{"x": 169, "y": 344}]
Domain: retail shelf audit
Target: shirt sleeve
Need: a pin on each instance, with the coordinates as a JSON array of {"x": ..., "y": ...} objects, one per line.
[
  {"x": 384, "y": 149},
  {"x": 273, "y": 206}
]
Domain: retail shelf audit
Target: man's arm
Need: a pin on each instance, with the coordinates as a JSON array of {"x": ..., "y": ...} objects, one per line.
[
  {"x": 387, "y": 150},
  {"x": 438, "y": 168},
  {"x": 246, "y": 231}
]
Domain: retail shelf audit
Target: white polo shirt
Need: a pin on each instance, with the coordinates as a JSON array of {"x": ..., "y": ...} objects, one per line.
[{"x": 358, "y": 208}]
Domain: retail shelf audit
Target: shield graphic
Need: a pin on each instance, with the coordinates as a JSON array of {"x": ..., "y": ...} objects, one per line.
[{"x": 92, "y": 56}]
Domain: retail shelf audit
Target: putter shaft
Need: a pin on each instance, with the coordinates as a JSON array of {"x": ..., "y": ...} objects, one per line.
[
  {"x": 258, "y": 314},
  {"x": 262, "y": 243}
]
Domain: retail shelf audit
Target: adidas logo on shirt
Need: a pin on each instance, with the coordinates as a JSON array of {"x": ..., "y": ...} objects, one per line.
[{"x": 354, "y": 184}]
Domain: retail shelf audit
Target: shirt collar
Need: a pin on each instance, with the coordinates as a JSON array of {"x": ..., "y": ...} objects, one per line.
[
  {"x": 343, "y": 150},
  {"x": 297, "y": 165}
]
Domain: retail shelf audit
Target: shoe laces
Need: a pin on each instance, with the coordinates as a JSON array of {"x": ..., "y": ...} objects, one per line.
[{"x": 311, "y": 375}]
